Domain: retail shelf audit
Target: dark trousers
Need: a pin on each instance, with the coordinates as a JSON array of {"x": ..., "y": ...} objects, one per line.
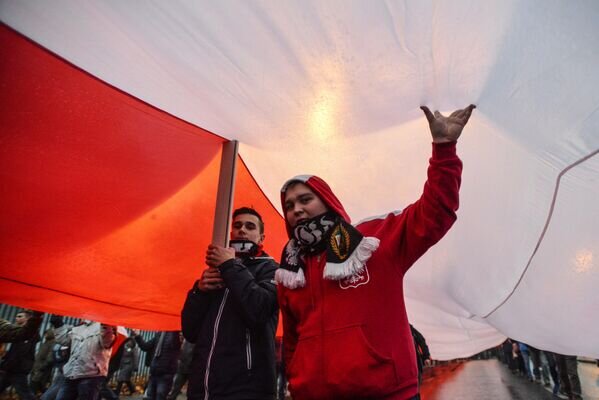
[
  {"x": 178, "y": 383},
  {"x": 41, "y": 382},
  {"x": 81, "y": 389},
  {"x": 572, "y": 373},
  {"x": 19, "y": 382},
  {"x": 160, "y": 385},
  {"x": 106, "y": 392}
]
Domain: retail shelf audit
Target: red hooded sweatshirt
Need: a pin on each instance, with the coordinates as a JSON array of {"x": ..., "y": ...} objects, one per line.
[{"x": 349, "y": 337}]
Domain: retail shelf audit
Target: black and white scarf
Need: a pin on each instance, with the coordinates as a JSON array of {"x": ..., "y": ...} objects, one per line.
[{"x": 346, "y": 250}]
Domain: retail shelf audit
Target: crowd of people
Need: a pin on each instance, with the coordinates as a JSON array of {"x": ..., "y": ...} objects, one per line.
[
  {"x": 555, "y": 371},
  {"x": 338, "y": 288},
  {"x": 78, "y": 362}
]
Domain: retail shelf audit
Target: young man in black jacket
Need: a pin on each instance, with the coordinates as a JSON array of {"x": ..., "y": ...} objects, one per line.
[
  {"x": 14, "y": 332},
  {"x": 18, "y": 361},
  {"x": 231, "y": 315}
]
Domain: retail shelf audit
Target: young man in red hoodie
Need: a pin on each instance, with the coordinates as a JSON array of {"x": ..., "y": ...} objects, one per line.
[{"x": 340, "y": 287}]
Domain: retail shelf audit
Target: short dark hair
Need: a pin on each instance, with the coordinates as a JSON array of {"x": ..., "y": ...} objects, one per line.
[
  {"x": 249, "y": 210},
  {"x": 27, "y": 312}
]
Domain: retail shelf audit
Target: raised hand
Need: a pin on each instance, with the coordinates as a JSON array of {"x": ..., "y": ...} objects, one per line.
[{"x": 447, "y": 129}]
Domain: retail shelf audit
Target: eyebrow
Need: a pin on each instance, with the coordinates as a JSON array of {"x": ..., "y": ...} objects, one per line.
[
  {"x": 299, "y": 197},
  {"x": 240, "y": 223}
]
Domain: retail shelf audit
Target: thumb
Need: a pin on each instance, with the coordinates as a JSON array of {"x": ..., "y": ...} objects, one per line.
[{"x": 428, "y": 114}]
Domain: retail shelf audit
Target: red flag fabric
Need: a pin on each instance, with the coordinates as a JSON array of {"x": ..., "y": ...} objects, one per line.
[{"x": 108, "y": 202}]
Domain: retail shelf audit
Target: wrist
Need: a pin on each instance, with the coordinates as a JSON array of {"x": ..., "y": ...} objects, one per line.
[
  {"x": 197, "y": 289},
  {"x": 226, "y": 264},
  {"x": 443, "y": 139}
]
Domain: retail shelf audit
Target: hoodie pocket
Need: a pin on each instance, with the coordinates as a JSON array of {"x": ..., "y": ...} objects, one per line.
[
  {"x": 341, "y": 364},
  {"x": 354, "y": 365}
]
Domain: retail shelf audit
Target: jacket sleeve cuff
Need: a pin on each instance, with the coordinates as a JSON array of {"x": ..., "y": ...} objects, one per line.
[
  {"x": 443, "y": 151},
  {"x": 195, "y": 290},
  {"x": 227, "y": 264}
]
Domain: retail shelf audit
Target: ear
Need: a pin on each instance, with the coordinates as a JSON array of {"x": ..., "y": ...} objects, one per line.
[{"x": 262, "y": 236}]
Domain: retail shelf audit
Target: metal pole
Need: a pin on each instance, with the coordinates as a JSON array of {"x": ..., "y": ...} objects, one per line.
[{"x": 224, "y": 197}]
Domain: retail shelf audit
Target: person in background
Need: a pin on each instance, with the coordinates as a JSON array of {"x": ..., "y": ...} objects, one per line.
[
  {"x": 14, "y": 332},
  {"x": 127, "y": 366},
  {"x": 43, "y": 364},
  {"x": 90, "y": 348},
  {"x": 60, "y": 356},
  {"x": 18, "y": 361},
  {"x": 183, "y": 369},
  {"x": 423, "y": 356},
  {"x": 165, "y": 347}
]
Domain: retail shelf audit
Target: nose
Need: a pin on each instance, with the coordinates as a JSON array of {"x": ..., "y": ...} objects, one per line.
[{"x": 297, "y": 210}]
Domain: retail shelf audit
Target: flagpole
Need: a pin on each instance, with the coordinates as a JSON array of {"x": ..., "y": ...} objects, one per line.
[{"x": 224, "y": 196}]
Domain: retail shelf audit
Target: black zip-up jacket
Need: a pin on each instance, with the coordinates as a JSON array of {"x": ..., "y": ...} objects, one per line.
[
  {"x": 234, "y": 330},
  {"x": 165, "y": 361},
  {"x": 19, "y": 359}
]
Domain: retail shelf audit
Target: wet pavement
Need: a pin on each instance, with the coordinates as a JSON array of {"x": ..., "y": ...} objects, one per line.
[
  {"x": 491, "y": 380},
  {"x": 589, "y": 380}
]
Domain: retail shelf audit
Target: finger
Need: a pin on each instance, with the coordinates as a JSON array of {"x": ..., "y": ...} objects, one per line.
[
  {"x": 428, "y": 114},
  {"x": 467, "y": 113},
  {"x": 459, "y": 114},
  {"x": 212, "y": 281},
  {"x": 464, "y": 112},
  {"x": 437, "y": 114},
  {"x": 210, "y": 287}
]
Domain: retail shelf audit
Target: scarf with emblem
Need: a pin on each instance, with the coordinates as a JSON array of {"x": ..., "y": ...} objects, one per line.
[{"x": 346, "y": 249}]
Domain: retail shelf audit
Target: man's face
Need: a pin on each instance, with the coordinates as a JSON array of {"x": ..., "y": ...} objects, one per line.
[
  {"x": 302, "y": 203},
  {"x": 21, "y": 319},
  {"x": 247, "y": 226}
]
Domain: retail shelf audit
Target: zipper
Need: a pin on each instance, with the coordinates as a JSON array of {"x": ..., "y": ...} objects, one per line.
[
  {"x": 248, "y": 349},
  {"x": 214, "y": 336}
]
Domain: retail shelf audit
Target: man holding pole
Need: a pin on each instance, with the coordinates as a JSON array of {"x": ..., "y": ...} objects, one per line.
[{"x": 231, "y": 315}]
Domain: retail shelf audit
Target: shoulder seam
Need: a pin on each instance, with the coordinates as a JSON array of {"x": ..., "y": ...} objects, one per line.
[{"x": 382, "y": 216}]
